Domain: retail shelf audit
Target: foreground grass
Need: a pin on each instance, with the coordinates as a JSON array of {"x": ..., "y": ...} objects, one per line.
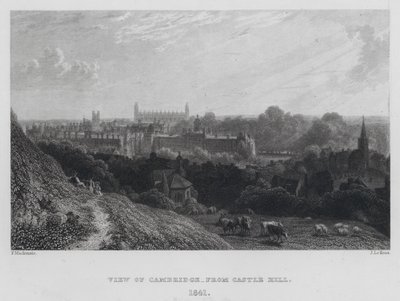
[
  {"x": 301, "y": 235},
  {"x": 139, "y": 227}
]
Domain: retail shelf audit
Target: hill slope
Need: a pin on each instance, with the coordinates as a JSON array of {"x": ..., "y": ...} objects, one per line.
[{"x": 50, "y": 213}]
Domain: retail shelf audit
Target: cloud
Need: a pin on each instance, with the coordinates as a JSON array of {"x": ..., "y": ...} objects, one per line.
[
  {"x": 166, "y": 28},
  {"x": 121, "y": 18},
  {"x": 52, "y": 71},
  {"x": 373, "y": 61},
  {"x": 262, "y": 19},
  {"x": 99, "y": 27}
]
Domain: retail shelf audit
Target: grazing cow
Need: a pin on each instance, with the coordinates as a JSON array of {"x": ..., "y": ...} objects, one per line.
[
  {"x": 237, "y": 222},
  {"x": 357, "y": 230},
  {"x": 278, "y": 231},
  {"x": 264, "y": 226},
  {"x": 227, "y": 224},
  {"x": 308, "y": 218},
  {"x": 243, "y": 223},
  {"x": 246, "y": 224}
]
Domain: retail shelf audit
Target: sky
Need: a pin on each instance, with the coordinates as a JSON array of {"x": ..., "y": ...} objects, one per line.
[{"x": 65, "y": 64}]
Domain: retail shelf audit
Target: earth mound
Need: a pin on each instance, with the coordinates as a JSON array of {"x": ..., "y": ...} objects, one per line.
[{"x": 48, "y": 212}]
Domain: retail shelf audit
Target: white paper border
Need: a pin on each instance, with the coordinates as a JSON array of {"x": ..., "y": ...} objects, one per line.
[{"x": 82, "y": 275}]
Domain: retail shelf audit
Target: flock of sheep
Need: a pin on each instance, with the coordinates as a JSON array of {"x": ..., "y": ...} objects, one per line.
[
  {"x": 275, "y": 230},
  {"x": 339, "y": 228}
]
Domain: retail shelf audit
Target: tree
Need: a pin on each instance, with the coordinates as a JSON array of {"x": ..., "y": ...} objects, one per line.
[
  {"x": 275, "y": 201},
  {"x": 333, "y": 118},
  {"x": 312, "y": 149},
  {"x": 209, "y": 121},
  {"x": 319, "y": 134}
]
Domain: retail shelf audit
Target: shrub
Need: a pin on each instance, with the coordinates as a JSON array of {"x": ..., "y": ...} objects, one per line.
[
  {"x": 357, "y": 202},
  {"x": 191, "y": 207},
  {"x": 275, "y": 201},
  {"x": 156, "y": 199},
  {"x": 75, "y": 159},
  {"x": 49, "y": 237}
]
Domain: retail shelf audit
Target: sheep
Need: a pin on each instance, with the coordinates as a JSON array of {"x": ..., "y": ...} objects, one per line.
[
  {"x": 337, "y": 226},
  {"x": 357, "y": 230},
  {"x": 320, "y": 229},
  {"x": 344, "y": 231},
  {"x": 317, "y": 229},
  {"x": 324, "y": 229}
]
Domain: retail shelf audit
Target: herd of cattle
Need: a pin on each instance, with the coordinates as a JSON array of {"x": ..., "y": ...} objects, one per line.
[{"x": 275, "y": 230}]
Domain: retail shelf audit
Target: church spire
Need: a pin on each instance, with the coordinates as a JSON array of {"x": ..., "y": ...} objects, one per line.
[
  {"x": 363, "y": 144},
  {"x": 363, "y": 131}
]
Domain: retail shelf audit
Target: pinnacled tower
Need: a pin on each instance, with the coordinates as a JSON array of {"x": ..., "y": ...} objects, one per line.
[
  {"x": 363, "y": 144},
  {"x": 136, "y": 112},
  {"x": 96, "y": 121},
  {"x": 187, "y": 111}
]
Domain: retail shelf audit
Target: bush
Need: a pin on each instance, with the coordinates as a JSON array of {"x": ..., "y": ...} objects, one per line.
[
  {"x": 192, "y": 207},
  {"x": 75, "y": 159},
  {"x": 274, "y": 201},
  {"x": 156, "y": 199},
  {"x": 357, "y": 202},
  {"x": 133, "y": 196},
  {"x": 48, "y": 237}
]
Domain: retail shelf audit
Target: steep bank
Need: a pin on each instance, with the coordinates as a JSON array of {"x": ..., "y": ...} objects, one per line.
[{"x": 50, "y": 213}]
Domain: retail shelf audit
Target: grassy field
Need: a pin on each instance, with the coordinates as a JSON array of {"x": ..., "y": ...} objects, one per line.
[{"x": 301, "y": 235}]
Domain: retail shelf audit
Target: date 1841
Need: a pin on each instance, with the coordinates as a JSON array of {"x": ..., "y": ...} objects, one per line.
[{"x": 198, "y": 293}]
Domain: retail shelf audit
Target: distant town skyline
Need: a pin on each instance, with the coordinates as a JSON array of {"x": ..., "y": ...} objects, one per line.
[{"x": 66, "y": 64}]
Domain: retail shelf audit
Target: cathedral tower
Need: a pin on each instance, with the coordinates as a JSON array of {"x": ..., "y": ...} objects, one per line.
[
  {"x": 187, "y": 111},
  {"x": 136, "y": 112}
]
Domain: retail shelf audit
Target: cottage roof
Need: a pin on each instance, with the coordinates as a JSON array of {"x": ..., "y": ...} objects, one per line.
[
  {"x": 175, "y": 180},
  {"x": 179, "y": 182}
]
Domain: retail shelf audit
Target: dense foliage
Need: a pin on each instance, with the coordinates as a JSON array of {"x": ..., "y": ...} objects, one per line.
[
  {"x": 357, "y": 202},
  {"x": 76, "y": 160},
  {"x": 276, "y": 129},
  {"x": 273, "y": 201},
  {"x": 156, "y": 199},
  {"x": 48, "y": 237}
]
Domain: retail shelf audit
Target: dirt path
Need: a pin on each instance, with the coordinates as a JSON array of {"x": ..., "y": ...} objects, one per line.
[{"x": 93, "y": 242}]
